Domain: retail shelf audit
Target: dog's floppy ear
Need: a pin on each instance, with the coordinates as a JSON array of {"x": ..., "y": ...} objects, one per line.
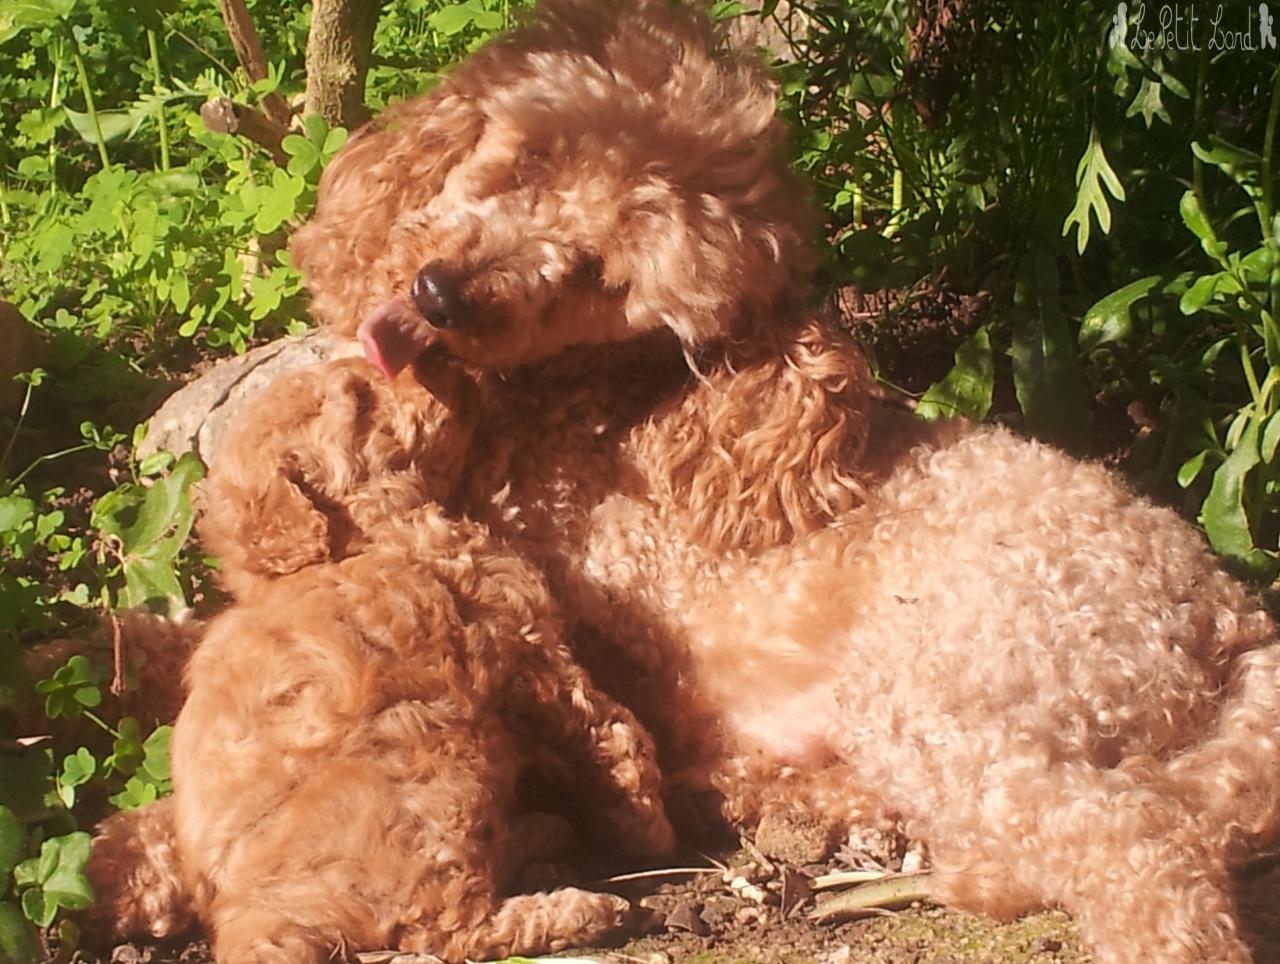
[
  {"x": 712, "y": 267},
  {"x": 708, "y": 230},
  {"x": 766, "y": 445},
  {"x": 262, "y": 524}
]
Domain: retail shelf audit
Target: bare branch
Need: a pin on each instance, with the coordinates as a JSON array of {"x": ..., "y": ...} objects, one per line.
[
  {"x": 223, "y": 116},
  {"x": 244, "y": 37}
]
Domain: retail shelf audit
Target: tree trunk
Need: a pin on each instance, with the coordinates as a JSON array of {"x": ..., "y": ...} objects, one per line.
[{"x": 338, "y": 51}]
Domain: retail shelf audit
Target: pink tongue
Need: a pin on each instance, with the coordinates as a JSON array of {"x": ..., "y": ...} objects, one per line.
[{"x": 393, "y": 336}]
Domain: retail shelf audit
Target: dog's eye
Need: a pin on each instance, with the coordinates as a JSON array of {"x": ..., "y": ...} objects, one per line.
[{"x": 436, "y": 296}]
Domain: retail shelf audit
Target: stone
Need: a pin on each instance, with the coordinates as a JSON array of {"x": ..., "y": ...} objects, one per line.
[
  {"x": 195, "y": 418},
  {"x": 794, "y": 839}
]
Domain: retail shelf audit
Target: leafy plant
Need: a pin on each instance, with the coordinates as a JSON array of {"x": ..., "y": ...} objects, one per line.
[
  {"x": 136, "y": 240},
  {"x": 1199, "y": 331}
]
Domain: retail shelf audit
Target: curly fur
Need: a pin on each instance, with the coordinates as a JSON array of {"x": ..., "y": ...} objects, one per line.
[
  {"x": 1049, "y": 679},
  {"x": 601, "y": 170},
  {"x": 329, "y": 460},
  {"x": 346, "y": 760}
]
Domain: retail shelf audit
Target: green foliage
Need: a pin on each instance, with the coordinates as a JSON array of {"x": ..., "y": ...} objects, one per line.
[
  {"x": 136, "y": 241},
  {"x": 55, "y": 879},
  {"x": 966, "y": 390},
  {"x": 417, "y": 40},
  {"x": 1011, "y": 149},
  {"x": 71, "y": 690},
  {"x": 137, "y": 533},
  {"x": 144, "y": 530},
  {"x": 175, "y": 241},
  {"x": 1094, "y": 180},
  {"x": 1197, "y": 327}
]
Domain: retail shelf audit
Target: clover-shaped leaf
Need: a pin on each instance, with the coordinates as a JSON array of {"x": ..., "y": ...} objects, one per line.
[
  {"x": 56, "y": 879},
  {"x": 71, "y": 690}
]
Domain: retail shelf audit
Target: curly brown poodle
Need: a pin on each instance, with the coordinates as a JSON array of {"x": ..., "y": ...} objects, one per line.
[
  {"x": 345, "y": 764},
  {"x": 809, "y": 597}
]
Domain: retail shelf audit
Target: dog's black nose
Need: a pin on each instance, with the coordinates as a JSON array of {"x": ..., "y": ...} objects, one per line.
[{"x": 435, "y": 295}]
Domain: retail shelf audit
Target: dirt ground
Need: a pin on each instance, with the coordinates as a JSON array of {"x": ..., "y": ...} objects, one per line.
[{"x": 734, "y": 915}]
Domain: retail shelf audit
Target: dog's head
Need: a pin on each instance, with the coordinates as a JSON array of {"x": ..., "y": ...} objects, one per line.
[
  {"x": 330, "y": 454},
  {"x": 602, "y": 171}
]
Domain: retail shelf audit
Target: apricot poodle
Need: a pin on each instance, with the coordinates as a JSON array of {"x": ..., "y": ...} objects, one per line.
[
  {"x": 811, "y": 599},
  {"x": 345, "y": 763}
]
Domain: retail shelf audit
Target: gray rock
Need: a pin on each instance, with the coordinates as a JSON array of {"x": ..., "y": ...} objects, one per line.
[{"x": 195, "y": 418}]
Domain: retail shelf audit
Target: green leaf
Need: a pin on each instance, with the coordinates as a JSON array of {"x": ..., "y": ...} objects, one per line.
[
  {"x": 77, "y": 770},
  {"x": 115, "y": 125},
  {"x": 1200, "y": 293},
  {"x": 278, "y": 203},
  {"x": 1190, "y": 470},
  {"x": 39, "y": 911},
  {"x": 1242, "y": 166},
  {"x": 333, "y": 141},
  {"x": 19, "y": 15},
  {"x": 136, "y": 793},
  {"x": 1197, "y": 222},
  {"x": 115, "y": 510},
  {"x": 27, "y": 873},
  {"x": 40, "y": 124},
  {"x": 452, "y": 18},
  {"x": 1271, "y": 439},
  {"x": 1257, "y": 265},
  {"x": 166, "y": 508},
  {"x": 151, "y": 579},
  {"x": 1223, "y": 512},
  {"x": 1148, "y": 103},
  {"x": 70, "y": 689},
  {"x": 126, "y": 748},
  {"x": 1046, "y": 364},
  {"x": 33, "y": 166},
  {"x": 155, "y": 463},
  {"x": 17, "y": 937},
  {"x": 62, "y": 877},
  {"x": 15, "y": 510},
  {"x": 1093, "y": 174},
  {"x": 303, "y": 154},
  {"x": 966, "y": 389},
  {"x": 156, "y": 761},
  {"x": 1110, "y": 319}
]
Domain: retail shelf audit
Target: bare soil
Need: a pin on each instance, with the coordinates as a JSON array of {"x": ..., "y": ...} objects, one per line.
[{"x": 733, "y": 914}]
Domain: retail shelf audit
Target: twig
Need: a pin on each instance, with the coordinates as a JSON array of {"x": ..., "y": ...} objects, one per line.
[
  {"x": 890, "y": 893},
  {"x": 223, "y": 116},
  {"x": 244, "y": 37},
  {"x": 661, "y": 872},
  {"x": 117, "y": 655},
  {"x": 847, "y": 878}
]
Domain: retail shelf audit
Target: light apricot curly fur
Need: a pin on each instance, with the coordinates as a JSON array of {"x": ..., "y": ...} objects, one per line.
[
  {"x": 345, "y": 764},
  {"x": 1048, "y": 678}
]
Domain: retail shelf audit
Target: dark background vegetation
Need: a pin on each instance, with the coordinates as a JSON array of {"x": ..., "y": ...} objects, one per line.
[{"x": 1025, "y": 221}]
